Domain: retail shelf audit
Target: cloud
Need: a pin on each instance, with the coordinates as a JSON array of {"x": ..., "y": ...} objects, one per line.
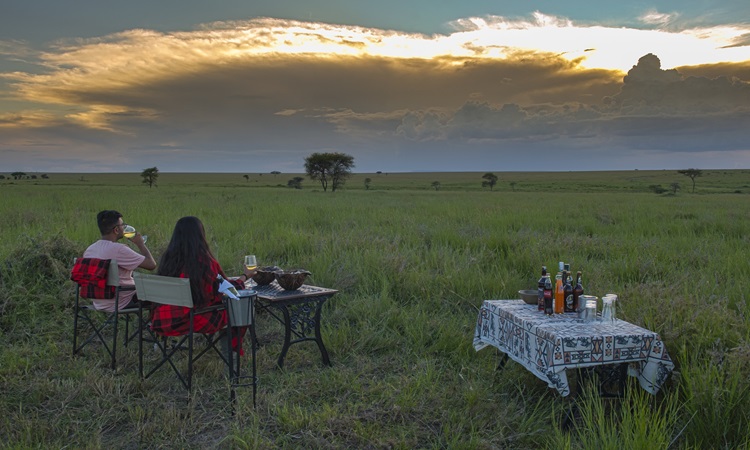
[
  {"x": 649, "y": 89},
  {"x": 653, "y": 17},
  {"x": 655, "y": 109},
  {"x": 270, "y": 88}
]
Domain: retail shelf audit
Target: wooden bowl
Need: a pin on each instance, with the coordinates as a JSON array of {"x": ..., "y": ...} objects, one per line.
[
  {"x": 530, "y": 296},
  {"x": 265, "y": 275},
  {"x": 291, "y": 279}
]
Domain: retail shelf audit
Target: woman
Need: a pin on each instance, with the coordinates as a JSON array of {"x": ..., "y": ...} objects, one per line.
[{"x": 188, "y": 256}]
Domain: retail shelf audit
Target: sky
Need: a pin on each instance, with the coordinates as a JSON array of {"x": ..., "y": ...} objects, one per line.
[{"x": 423, "y": 85}]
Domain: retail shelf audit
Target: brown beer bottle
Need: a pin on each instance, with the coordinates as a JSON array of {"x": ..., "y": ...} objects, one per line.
[
  {"x": 540, "y": 289},
  {"x": 568, "y": 293},
  {"x": 577, "y": 293}
]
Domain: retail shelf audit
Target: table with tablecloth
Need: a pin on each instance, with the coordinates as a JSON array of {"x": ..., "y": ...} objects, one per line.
[{"x": 549, "y": 345}]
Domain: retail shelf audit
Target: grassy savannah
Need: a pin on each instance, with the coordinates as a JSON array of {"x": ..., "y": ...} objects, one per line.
[{"x": 413, "y": 266}]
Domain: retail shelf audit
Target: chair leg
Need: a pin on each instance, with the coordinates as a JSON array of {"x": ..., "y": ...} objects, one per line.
[
  {"x": 75, "y": 329},
  {"x": 114, "y": 340}
]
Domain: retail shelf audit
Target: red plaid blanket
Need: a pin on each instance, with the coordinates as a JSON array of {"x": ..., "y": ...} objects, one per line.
[{"x": 91, "y": 276}]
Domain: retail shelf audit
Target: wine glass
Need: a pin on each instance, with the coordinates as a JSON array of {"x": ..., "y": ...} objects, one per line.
[
  {"x": 250, "y": 262},
  {"x": 128, "y": 231}
]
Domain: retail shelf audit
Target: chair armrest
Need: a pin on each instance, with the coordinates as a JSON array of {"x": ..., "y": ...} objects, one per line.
[{"x": 209, "y": 309}]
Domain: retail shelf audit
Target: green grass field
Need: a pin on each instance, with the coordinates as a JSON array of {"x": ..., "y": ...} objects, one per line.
[{"x": 413, "y": 266}]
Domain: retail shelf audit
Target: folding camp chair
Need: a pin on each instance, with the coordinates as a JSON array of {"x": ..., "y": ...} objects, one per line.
[
  {"x": 175, "y": 291},
  {"x": 87, "y": 313}
]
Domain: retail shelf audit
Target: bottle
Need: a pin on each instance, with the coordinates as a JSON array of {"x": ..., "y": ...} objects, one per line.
[
  {"x": 540, "y": 289},
  {"x": 559, "y": 299},
  {"x": 568, "y": 293},
  {"x": 230, "y": 288},
  {"x": 577, "y": 293},
  {"x": 548, "y": 296}
]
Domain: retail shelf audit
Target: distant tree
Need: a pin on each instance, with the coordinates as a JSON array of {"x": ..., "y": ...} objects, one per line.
[
  {"x": 246, "y": 177},
  {"x": 657, "y": 189},
  {"x": 675, "y": 187},
  {"x": 367, "y": 183},
  {"x": 275, "y": 172},
  {"x": 150, "y": 175},
  {"x": 692, "y": 174},
  {"x": 33, "y": 177},
  {"x": 436, "y": 185},
  {"x": 44, "y": 175},
  {"x": 18, "y": 175},
  {"x": 2, "y": 177},
  {"x": 295, "y": 182},
  {"x": 378, "y": 172},
  {"x": 513, "y": 185},
  {"x": 333, "y": 168},
  {"x": 490, "y": 180}
]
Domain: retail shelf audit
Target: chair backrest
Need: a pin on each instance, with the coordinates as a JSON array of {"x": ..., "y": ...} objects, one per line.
[
  {"x": 113, "y": 274},
  {"x": 163, "y": 290}
]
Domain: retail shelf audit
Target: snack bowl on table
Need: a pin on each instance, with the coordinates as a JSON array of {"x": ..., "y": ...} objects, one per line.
[
  {"x": 530, "y": 296},
  {"x": 291, "y": 279},
  {"x": 265, "y": 275}
]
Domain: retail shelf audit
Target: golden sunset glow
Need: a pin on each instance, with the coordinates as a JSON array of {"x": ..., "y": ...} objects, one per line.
[{"x": 368, "y": 84}]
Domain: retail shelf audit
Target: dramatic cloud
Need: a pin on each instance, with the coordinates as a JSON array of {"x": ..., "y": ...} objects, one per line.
[{"x": 275, "y": 90}]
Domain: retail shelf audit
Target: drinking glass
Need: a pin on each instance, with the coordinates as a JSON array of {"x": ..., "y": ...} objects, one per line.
[
  {"x": 129, "y": 232},
  {"x": 250, "y": 262},
  {"x": 588, "y": 313},
  {"x": 609, "y": 303}
]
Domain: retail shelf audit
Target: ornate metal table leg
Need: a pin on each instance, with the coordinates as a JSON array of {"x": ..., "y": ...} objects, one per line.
[
  {"x": 302, "y": 319},
  {"x": 318, "y": 337},
  {"x": 287, "y": 336}
]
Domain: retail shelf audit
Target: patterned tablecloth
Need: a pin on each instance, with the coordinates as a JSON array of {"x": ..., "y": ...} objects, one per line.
[{"x": 549, "y": 345}]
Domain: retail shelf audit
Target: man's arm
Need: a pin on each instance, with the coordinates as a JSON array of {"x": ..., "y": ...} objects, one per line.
[{"x": 148, "y": 263}]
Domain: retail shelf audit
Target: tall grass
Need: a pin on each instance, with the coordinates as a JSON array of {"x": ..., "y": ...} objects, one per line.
[{"x": 412, "y": 267}]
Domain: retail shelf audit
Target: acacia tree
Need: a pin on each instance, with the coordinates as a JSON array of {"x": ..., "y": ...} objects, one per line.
[
  {"x": 491, "y": 180},
  {"x": 295, "y": 182},
  {"x": 436, "y": 185},
  {"x": 18, "y": 175},
  {"x": 367, "y": 183},
  {"x": 692, "y": 174},
  {"x": 329, "y": 168},
  {"x": 150, "y": 175}
]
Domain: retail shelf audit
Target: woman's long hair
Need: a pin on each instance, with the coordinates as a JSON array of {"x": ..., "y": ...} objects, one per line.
[{"x": 188, "y": 253}]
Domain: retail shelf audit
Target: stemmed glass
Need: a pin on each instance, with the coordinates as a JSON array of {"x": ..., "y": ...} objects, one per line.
[
  {"x": 250, "y": 262},
  {"x": 129, "y": 232}
]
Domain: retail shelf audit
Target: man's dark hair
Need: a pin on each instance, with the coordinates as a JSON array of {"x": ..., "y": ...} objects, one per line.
[{"x": 107, "y": 220}]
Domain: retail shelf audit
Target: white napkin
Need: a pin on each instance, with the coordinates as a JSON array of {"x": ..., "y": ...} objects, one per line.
[{"x": 227, "y": 289}]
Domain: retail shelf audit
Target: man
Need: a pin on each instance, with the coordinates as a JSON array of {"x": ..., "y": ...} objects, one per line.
[{"x": 111, "y": 227}]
